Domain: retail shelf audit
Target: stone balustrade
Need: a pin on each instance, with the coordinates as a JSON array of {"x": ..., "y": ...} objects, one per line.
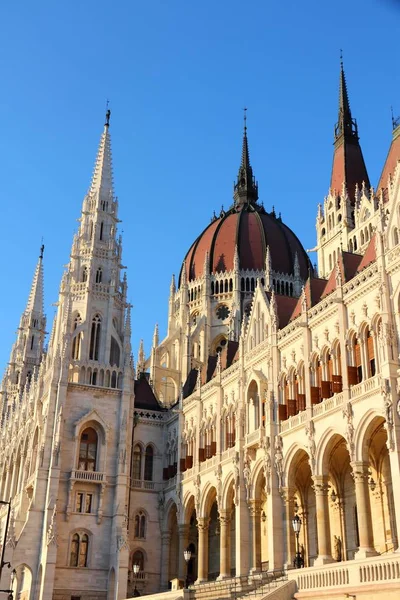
[
  {"x": 354, "y": 574},
  {"x": 95, "y": 476}
]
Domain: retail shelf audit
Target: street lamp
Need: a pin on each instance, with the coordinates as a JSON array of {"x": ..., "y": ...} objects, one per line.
[
  {"x": 187, "y": 555},
  {"x": 136, "y": 569},
  {"x": 296, "y": 524}
]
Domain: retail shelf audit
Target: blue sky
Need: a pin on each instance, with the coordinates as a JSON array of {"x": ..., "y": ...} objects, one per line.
[{"x": 177, "y": 75}]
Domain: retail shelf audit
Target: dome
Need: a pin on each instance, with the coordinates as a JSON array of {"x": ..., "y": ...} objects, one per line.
[{"x": 251, "y": 229}]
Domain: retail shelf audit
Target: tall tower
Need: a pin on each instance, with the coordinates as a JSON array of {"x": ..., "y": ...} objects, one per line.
[
  {"x": 92, "y": 294},
  {"x": 349, "y": 179},
  {"x": 71, "y": 436},
  {"x": 27, "y": 350}
]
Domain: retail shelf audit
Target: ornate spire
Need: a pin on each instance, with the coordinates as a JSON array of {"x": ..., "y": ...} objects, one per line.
[
  {"x": 348, "y": 163},
  {"x": 35, "y": 300},
  {"x": 172, "y": 287},
  {"x": 141, "y": 361},
  {"x": 346, "y": 126},
  {"x": 155, "y": 336},
  {"x": 246, "y": 187},
  {"x": 102, "y": 179}
]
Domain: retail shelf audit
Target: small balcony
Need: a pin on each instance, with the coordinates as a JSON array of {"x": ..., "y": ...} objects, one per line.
[{"x": 94, "y": 476}]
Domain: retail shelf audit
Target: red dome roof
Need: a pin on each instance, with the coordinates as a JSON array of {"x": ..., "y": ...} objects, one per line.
[{"x": 251, "y": 229}]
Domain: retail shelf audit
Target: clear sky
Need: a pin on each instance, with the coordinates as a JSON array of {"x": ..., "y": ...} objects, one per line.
[{"x": 177, "y": 74}]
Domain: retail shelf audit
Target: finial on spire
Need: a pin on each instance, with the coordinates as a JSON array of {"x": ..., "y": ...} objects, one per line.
[
  {"x": 108, "y": 115},
  {"x": 41, "y": 250},
  {"x": 246, "y": 187}
]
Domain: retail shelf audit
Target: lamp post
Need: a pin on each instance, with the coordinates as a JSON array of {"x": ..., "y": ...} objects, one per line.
[
  {"x": 136, "y": 569},
  {"x": 296, "y": 524},
  {"x": 187, "y": 555}
]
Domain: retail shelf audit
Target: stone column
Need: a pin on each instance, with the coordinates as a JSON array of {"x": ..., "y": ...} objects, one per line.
[
  {"x": 225, "y": 544},
  {"x": 255, "y": 520},
  {"x": 322, "y": 512},
  {"x": 360, "y": 474},
  {"x": 288, "y": 499},
  {"x": 165, "y": 546},
  {"x": 202, "y": 569},
  {"x": 183, "y": 532}
]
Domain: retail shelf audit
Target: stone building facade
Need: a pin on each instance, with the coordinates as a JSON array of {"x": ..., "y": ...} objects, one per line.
[{"x": 275, "y": 393}]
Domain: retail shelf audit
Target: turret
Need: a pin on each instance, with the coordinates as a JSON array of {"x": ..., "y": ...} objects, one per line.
[
  {"x": 27, "y": 351},
  {"x": 348, "y": 176}
]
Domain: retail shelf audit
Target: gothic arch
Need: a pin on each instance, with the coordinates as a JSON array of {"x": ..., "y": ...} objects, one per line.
[
  {"x": 362, "y": 432},
  {"x": 289, "y": 457},
  {"x": 188, "y": 507},
  {"x": 228, "y": 491},
  {"x": 208, "y": 498},
  {"x": 322, "y": 445}
]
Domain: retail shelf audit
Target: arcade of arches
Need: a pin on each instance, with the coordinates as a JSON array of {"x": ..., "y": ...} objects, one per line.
[{"x": 346, "y": 509}]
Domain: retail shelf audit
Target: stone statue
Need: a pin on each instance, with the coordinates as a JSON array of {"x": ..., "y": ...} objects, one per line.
[{"x": 337, "y": 548}]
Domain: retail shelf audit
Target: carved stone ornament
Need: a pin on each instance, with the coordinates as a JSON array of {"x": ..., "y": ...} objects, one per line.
[
  {"x": 279, "y": 460},
  {"x": 349, "y": 434},
  {"x": 52, "y": 536},
  {"x": 218, "y": 486},
  {"x": 236, "y": 477},
  {"x": 267, "y": 463},
  {"x": 310, "y": 433},
  {"x": 122, "y": 542},
  {"x": 387, "y": 402},
  {"x": 247, "y": 477},
  {"x": 197, "y": 493}
]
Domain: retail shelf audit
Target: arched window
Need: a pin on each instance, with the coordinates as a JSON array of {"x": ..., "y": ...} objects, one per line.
[
  {"x": 32, "y": 341},
  {"x": 99, "y": 275},
  {"x": 84, "y": 274},
  {"x": 395, "y": 236},
  {"x": 138, "y": 559},
  {"x": 148, "y": 464},
  {"x": 137, "y": 462},
  {"x": 371, "y": 355},
  {"x": 76, "y": 342},
  {"x": 114, "y": 352},
  {"x": 140, "y": 525},
  {"x": 101, "y": 230},
  {"x": 88, "y": 450},
  {"x": 79, "y": 550},
  {"x": 76, "y": 347},
  {"x": 95, "y": 338}
]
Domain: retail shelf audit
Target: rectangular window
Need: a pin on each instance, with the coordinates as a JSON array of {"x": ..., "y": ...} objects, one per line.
[
  {"x": 88, "y": 503},
  {"x": 75, "y": 598},
  {"x": 79, "y": 502},
  {"x": 84, "y": 502}
]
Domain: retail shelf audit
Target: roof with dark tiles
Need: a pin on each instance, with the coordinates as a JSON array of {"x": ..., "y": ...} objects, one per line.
[{"x": 144, "y": 395}]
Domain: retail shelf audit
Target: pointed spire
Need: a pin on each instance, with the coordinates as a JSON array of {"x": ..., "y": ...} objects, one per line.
[
  {"x": 35, "y": 300},
  {"x": 172, "y": 287},
  {"x": 155, "y": 336},
  {"x": 236, "y": 264},
  {"x": 141, "y": 361},
  {"x": 246, "y": 187},
  {"x": 348, "y": 163},
  {"x": 102, "y": 180},
  {"x": 345, "y": 125},
  {"x": 128, "y": 328},
  {"x": 268, "y": 260}
]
